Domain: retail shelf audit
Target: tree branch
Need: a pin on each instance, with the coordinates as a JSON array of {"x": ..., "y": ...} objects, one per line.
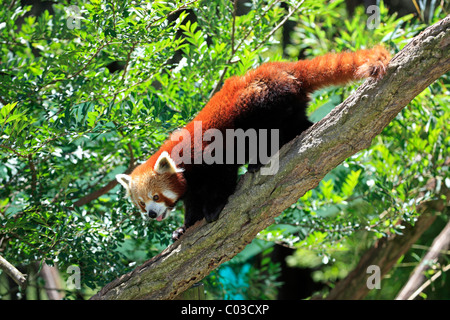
[
  {"x": 442, "y": 242},
  {"x": 348, "y": 128},
  {"x": 386, "y": 251},
  {"x": 103, "y": 190},
  {"x": 53, "y": 284},
  {"x": 234, "y": 49},
  {"x": 15, "y": 274}
]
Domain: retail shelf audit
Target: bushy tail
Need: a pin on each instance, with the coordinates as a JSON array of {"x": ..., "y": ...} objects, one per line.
[{"x": 340, "y": 68}]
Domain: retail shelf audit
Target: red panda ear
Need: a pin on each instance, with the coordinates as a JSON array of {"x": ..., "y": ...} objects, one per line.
[
  {"x": 125, "y": 181},
  {"x": 165, "y": 164}
]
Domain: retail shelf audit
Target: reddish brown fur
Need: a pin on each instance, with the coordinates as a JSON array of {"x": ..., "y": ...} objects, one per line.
[
  {"x": 148, "y": 181},
  {"x": 273, "y": 96},
  {"x": 310, "y": 75}
]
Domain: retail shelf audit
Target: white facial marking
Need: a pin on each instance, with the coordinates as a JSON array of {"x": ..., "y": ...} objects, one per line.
[
  {"x": 158, "y": 207},
  {"x": 170, "y": 195}
]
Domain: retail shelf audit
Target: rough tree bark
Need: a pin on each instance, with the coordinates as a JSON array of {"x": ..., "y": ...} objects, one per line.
[{"x": 348, "y": 128}]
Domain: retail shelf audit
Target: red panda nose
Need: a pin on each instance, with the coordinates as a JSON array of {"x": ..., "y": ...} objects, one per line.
[{"x": 152, "y": 214}]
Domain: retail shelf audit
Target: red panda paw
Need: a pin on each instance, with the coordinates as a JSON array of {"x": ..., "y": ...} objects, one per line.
[
  {"x": 374, "y": 70},
  {"x": 178, "y": 233},
  {"x": 376, "y": 65}
]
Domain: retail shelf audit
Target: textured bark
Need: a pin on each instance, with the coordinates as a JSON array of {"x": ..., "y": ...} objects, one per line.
[{"x": 349, "y": 128}]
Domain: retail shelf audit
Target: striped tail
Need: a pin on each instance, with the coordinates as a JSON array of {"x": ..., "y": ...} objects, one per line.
[{"x": 340, "y": 68}]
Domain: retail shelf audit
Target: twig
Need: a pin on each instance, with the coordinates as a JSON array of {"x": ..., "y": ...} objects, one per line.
[
  {"x": 71, "y": 76},
  {"x": 15, "y": 274},
  {"x": 33, "y": 177},
  {"x": 280, "y": 24},
  {"x": 234, "y": 49},
  {"x": 428, "y": 282},
  {"x": 124, "y": 73},
  {"x": 233, "y": 27},
  {"x": 98, "y": 193},
  {"x": 18, "y": 154},
  {"x": 53, "y": 285},
  {"x": 11, "y": 5},
  {"x": 183, "y": 6}
]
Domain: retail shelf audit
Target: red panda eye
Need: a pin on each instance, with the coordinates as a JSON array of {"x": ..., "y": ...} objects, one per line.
[
  {"x": 142, "y": 204},
  {"x": 155, "y": 197}
]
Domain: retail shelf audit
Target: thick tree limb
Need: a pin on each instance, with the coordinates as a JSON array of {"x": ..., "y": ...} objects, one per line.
[
  {"x": 53, "y": 284},
  {"x": 348, "y": 128}
]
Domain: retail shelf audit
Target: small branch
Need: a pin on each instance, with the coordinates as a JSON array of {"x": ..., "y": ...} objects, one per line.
[
  {"x": 255, "y": 23},
  {"x": 18, "y": 154},
  {"x": 278, "y": 26},
  {"x": 235, "y": 49},
  {"x": 33, "y": 177},
  {"x": 124, "y": 73},
  {"x": 386, "y": 251},
  {"x": 53, "y": 285},
  {"x": 384, "y": 254},
  {"x": 11, "y": 5},
  {"x": 182, "y": 7},
  {"x": 428, "y": 282},
  {"x": 233, "y": 28},
  {"x": 71, "y": 76},
  {"x": 440, "y": 244},
  {"x": 15, "y": 274},
  {"x": 98, "y": 193}
]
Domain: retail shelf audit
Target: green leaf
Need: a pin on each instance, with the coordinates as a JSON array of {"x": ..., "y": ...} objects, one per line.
[{"x": 351, "y": 181}]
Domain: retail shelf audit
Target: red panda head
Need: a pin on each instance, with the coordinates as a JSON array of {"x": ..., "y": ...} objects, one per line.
[{"x": 155, "y": 190}]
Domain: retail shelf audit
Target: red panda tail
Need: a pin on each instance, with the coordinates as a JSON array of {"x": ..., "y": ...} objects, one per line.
[{"x": 340, "y": 68}]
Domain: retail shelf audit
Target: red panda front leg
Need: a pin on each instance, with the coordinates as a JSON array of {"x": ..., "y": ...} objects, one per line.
[
  {"x": 178, "y": 233},
  {"x": 192, "y": 213},
  {"x": 207, "y": 194},
  {"x": 218, "y": 188}
]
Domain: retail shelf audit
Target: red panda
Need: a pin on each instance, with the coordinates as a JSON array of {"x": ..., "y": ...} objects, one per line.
[{"x": 273, "y": 96}]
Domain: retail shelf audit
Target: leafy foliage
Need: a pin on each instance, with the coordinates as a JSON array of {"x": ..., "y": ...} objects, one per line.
[
  {"x": 372, "y": 192},
  {"x": 91, "y": 88}
]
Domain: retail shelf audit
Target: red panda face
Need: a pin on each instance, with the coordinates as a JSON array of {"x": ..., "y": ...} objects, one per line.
[{"x": 155, "y": 190}]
